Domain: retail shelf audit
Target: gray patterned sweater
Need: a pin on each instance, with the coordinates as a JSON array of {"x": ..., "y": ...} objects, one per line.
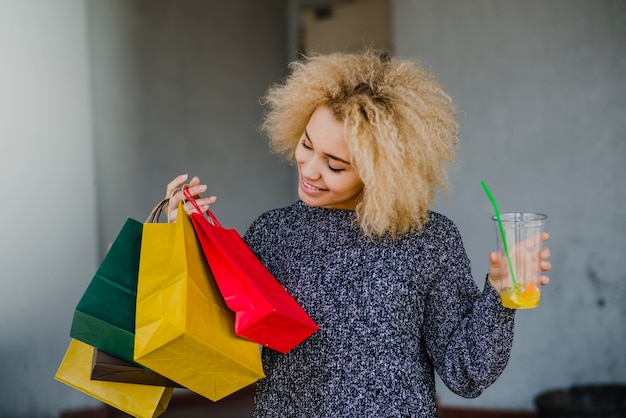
[{"x": 390, "y": 313}]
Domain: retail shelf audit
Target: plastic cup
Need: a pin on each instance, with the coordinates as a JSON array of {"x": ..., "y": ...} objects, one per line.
[{"x": 519, "y": 289}]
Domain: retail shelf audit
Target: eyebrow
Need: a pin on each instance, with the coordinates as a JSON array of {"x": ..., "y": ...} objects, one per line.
[{"x": 332, "y": 157}]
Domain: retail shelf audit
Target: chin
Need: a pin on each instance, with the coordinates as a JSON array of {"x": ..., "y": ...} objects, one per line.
[{"x": 306, "y": 199}]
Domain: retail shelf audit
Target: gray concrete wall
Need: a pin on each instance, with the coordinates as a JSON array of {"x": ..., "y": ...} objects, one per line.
[
  {"x": 47, "y": 198},
  {"x": 177, "y": 88},
  {"x": 541, "y": 92}
]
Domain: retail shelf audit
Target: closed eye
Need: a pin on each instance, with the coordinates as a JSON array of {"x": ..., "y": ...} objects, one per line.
[
  {"x": 336, "y": 170},
  {"x": 305, "y": 145},
  {"x": 331, "y": 168}
]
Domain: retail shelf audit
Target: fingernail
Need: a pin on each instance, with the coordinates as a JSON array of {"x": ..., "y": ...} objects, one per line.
[
  {"x": 183, "y": 176},
  {"x": 202, "y": 187}
]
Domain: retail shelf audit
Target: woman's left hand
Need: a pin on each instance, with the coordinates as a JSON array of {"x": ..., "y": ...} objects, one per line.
[
  {"x": 176, "y": 195},
  {"x": 544, "y": 264}
]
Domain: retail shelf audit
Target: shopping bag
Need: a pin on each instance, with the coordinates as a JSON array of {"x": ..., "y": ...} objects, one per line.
[
  {"x": 183, "y": 329},
  {"x": 136, "y": 400},
  {"x": 111, "y": 369},
  {"x": 105, "y": 315},
  {"x": 264, "y": 311}
]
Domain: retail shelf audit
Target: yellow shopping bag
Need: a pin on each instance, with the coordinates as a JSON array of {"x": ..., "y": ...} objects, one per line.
[
  {"x": 183, "y": 329},
  {"x": 136, "y": 400}
]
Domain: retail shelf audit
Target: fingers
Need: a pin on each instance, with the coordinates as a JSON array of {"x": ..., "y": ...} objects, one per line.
[
  {"x": 202, "y": 202},
  {"x": 174, "y": 189},
  {"x": 495, "y": 261},
  {"x": 498, "y": 269},
  {"x": 544, "y": 262},
  {"x": 175, "y": 184},
  {"x": 175, "y": 194}
]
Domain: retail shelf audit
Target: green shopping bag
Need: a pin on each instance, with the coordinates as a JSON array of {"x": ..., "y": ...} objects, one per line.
[{"x": 105, "y": 315}]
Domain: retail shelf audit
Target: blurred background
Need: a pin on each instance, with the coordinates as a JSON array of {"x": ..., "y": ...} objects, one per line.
[{"x": 103, "y": 102}]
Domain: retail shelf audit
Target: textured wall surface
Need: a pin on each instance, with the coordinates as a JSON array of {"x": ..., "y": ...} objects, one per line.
[
  {"x": 541, "y": 95},
  {"x": 48, "y": 238},
  {"x": 176, "y": 90}
]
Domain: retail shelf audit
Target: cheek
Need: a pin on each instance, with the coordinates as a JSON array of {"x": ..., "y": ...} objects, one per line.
[
  {"x": 299, "y": 155},
  {"x": 350, "y": 186}
]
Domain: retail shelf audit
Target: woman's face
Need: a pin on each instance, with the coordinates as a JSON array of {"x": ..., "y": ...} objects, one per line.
[{"x": 326, "y": 175}]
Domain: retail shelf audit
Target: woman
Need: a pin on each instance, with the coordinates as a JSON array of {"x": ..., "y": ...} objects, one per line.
[{"x": 387, "y": 281}]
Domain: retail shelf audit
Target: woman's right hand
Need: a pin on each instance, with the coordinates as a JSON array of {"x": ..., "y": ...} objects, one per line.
[
  {"x": 175, "y": 194},
  {"x": 542, "y": 257}
]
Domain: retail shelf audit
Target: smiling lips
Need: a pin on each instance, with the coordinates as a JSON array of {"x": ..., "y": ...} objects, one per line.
[{"x": 310, "y": 188}]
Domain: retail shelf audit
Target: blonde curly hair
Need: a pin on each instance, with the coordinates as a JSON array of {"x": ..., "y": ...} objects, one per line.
[{"x": 400, "y": 129}]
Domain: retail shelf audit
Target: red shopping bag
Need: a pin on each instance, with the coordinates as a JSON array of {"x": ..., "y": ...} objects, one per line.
[{"x": 264, "y": 312}]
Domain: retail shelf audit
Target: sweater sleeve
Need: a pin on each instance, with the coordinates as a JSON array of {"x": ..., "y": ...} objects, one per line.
[{"x": 468, "y": 333}]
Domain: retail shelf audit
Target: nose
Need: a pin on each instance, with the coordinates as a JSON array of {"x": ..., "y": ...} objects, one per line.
[{"x": 309, "y": 168}]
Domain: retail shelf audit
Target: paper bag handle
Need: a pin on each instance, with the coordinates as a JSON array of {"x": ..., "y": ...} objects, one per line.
[
  {"x": 156, "y": 212},
  {"x": 192, "y": 199}
]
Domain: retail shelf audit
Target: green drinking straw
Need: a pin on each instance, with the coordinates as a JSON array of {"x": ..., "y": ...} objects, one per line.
[{"x": 502, "y": 234}]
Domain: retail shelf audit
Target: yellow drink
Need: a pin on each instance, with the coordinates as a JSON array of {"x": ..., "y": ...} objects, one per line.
[{"x": 525, "y": 297}]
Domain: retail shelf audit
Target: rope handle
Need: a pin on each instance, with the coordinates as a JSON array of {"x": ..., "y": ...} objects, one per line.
[{"x": 157, "y": 211}]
